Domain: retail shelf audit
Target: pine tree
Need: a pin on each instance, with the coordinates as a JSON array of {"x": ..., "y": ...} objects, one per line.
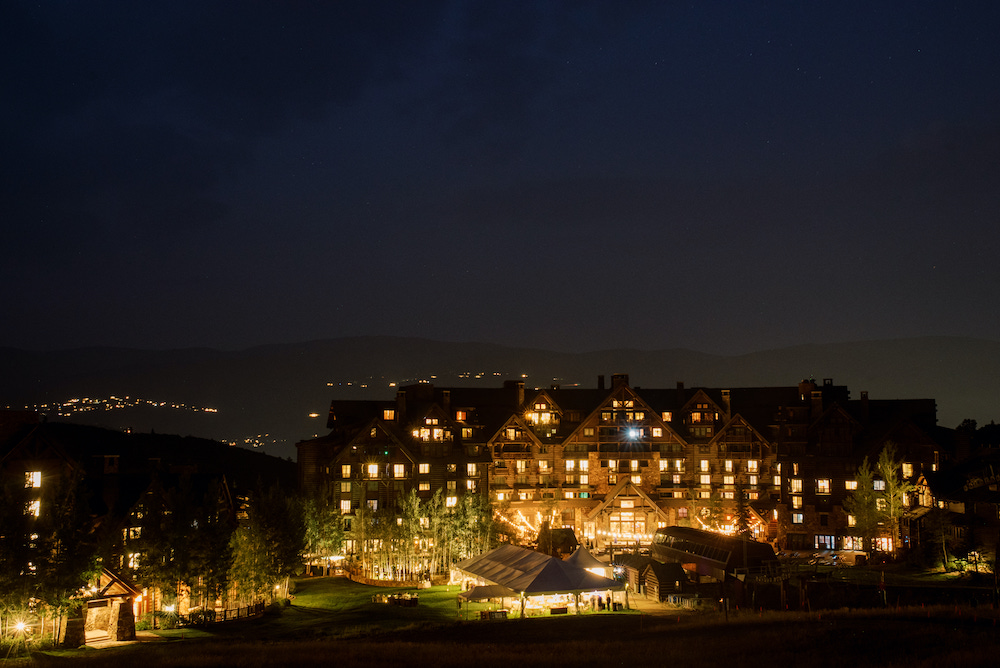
[{"x": 862, "y": 505}]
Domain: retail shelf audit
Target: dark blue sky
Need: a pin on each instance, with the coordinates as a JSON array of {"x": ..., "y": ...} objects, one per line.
[{"x": 723, "y": 176}]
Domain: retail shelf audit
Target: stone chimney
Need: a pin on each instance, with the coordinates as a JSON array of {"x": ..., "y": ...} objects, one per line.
[
  {"x": 864, "y": 405},
  {"x": 619, "y": 379},
  {"x": 446, "y": 401},
  {"x": 401, "y": 406},
  {"x": 600, "y": 382},
  {"x": 816, "y": 408}
]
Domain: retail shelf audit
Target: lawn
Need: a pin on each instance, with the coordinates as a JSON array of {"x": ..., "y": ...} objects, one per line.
[{"x": 334, "y": 620}]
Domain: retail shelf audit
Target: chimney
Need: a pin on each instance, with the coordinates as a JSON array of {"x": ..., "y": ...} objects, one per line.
[
  {"x": 600, "y": 382},
  {"x": 680, "y": 386},
  {"x": 817, "y": 403},
  {"x": 446, "y": 401},
  {"x": 520, "y": 393},
  {"x": 726, "y": 406},
  {"x": 864, "y": 405},
  {"x": 401, "y": 406},
  {"x": 619, "y": 379}
]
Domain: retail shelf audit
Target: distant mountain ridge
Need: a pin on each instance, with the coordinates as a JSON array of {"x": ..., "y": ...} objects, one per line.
[{"x": 268, "y": 392}]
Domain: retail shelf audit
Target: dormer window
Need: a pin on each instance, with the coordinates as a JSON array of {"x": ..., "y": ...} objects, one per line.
[
  {"x": 461, "y": 416},
  {"x": 389, "y": 414}
]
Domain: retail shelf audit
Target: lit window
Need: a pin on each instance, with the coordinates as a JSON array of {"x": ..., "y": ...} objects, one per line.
[
  {"x": 584, "y": 464},
  {"x": 584, "y": 479},
  {"x": 471, "y": 470},
  {"x": 430, "y": 420},
  {"x": 345, "y": 506},
  {"x": 729, "y": 466},
  {"x": 439, "y": 434},
  {"x": 878, "y": 485},
  {"x": 776, "y": 481},
  {"x": 729, "y": 480},
  {"x": 704, "y": 495},
  {"x": 880, "y": 503},
  {"x": 753, "y": 466},
  {"x": 541, "y": 406},
  {"x": 637, "y": 480},
  {"x": 704, "y": 465},
  {"x": 822, "y": 485},
  {"x": 373, "y": 504},
  {"x": 33, "y": 508},
  {"x": 729, "y": 495},
  {"x": 424, "y": 468},
  {"x": 460, "y": 416},
  {"x": 511, "y": 434},
  {"x": 345, "y": 488},
  {"x": 398, "y": 470},
  {"x": 706, "y": 479},
  {"x": 588, "y": 431},
  {"x": 345, "y": 471},
  {"x": 501, "y": 496},
  {"x": 907, "y": 470},
  {"x": 373, "y": 470},
  {"x": 543, "y": 465},
  {"x": 676, "y": 478},
  {"x": 796, "y": 502},
  {"x": 667, "y": 416},
  {"x": 664, "y": 465},
  {"x": 657, "y": 432},
  {"x": 634, "y": 464},
  {"x": 452, "y": 485},
  {"x": 524, "y": 496},
  {"x": 388, "y": 414},
  {"x": 424, "y": 487},
  {"x": 678, "y": 464},
  {"x": 466, "y": 432},
  {"x": 521, "y": 465},
  {"x": 32, "y": 479},
  {"x": 753, "y": 480},
  {"x": 795, "y": 485},
  {"x": 570, "y": 465},
  {"x": 852, "y": 521},
  {"x": 470, "y": 485},
  {"x": 796, "y": 518},
  {"x": 850, "y": 485}
]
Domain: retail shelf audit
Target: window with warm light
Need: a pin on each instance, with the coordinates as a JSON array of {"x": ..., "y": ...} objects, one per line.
[
  {"x": 907, "y": 470},
  {"x": 345, "y": 471},
  {"x": 345, "y": 488},
  {"x": 823, "y": 485},
  {"x": 667, "y": 416},
  {"x": 704, "y": 465},
  {"x": 634, "y": 464},
  {"x": 584, "y": 465},
  {"x": 878, "y": 485},
  {"x": 521, "y": 465},
  {"x": 729, "y": 480},
  {"x": 398, "y": 470},
  {"x": 675, "y": 478},
  {"x": 706, "y": 479},
  {"x": 795, "y": 485},
  {"x": 460, "y": 416},
  {"x": 852, "y": 521},
  {"x": 32, "y": 479},
  {"x": 657, "y": 432},
  {"x": 424, "y": 487},
  {"x": 636, "y": 479},
  {"x": 570, "y": 465},
  {"x": 388, "y": 414},
  {"x": 584, "y": 479},
  {"x": 776, "y": 480},
  {"x": 664, "y": 465},
  {"x": 470, "y": 485},
  {"x": 472, "y": 469},
  {"x": 753, "y": 466},
  {"x": 729, "y": 466},
  {"x": 796, "y": 502},
  {"x": 452, "y": 485},
  {"x": 850, "y": 485},
  {"x": 345, "y": 506},
  {"x": 679, "y": 465},
  {"x": 466, "y": 432},
  {"x": 797, "y": 518},
  {"x": 588, "y": 431},
  {"x": 752, "y": 480},
  {"x": 430, "y": 421},
  {"x": 33, "y": 508},
  {"x": 543, "y": 466},
  {"x": 372, "y": 470}
]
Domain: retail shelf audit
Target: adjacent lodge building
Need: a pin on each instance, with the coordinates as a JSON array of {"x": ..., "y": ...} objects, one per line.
[{"x": 617, "y": 462}]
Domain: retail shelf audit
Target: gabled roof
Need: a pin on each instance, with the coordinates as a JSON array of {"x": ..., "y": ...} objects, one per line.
[{"x": 626, "y": 484}]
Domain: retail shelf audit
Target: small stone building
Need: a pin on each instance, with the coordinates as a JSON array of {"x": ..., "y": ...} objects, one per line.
[{"x": 109, "y": 614}]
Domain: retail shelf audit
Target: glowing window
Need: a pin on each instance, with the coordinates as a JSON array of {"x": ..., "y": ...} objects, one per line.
[
  {"x": 470, "y": 485},
  {"x": 466, "y": 432},
  {"x": 388, "y": 414},
  {"x": 823, "y": 485},
  {"x": 634, "y": 464},
  {"x": 907, "y": 470},
  {"x": 729, "y": 480},
  {"x": 657, "y": 432},
  {"x": 32, "y": 478},
  {"x": 797, "y": 518},
  {"x": 584, "y": 479},
  {"x": 667, "y": 416},
  {"x": 664, "y": 465},
  {"x": 795, "y": 485},
  {"x": 850, "y": 484},
  {"x": 636, "y": 480},
  {"x": 424, "y": 487},
  {"x": 729, "y": 466},
  {"x": 753, "y": 479},
  {"x": 373, "y": 470},
  {"x": 345, "y": 488},
  {"x": 878, "y": 485},
  {"x": 796, "y": 502},
  {"x": 706, "y": 479},
  {"x": 584, "y": 464},
  {"x": 753, "y": 466},
  {"x": 472, "y": 469},
  {"x": 704, "y": 465},
  {"x": 398, "y": 470},
  {"x": 33, "y": 508},
  {"x": 345, "y": 471},
  {"x": 424, "y": 468},
  {"x": 852, "y": 521},
  {"x": 345, "y": 506},
  {"x": 570, "y": 464},
  {"x": 460, "y": 416}
]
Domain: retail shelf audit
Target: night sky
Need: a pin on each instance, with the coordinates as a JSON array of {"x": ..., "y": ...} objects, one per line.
[{"x": 722, "y": 176}]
